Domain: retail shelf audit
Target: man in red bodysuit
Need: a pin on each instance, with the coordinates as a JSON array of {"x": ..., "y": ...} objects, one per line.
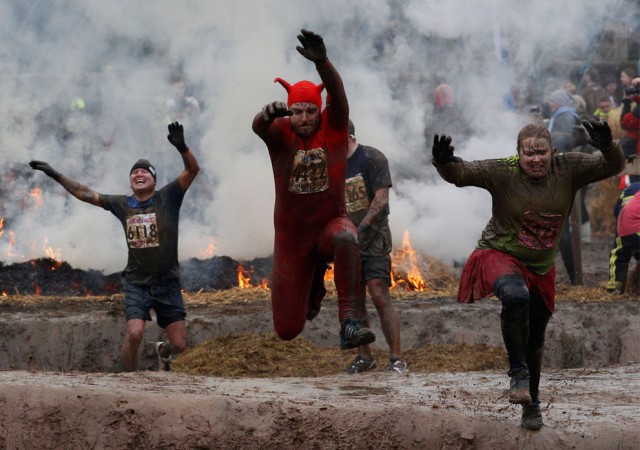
[{"x": 308, "y": 151}]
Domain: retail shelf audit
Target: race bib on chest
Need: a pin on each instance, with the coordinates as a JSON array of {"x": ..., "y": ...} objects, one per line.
[
  {"x": 539, "y": 231},
  {"x": 356, "y": 194},
  {"x": 142, "y": 231},
  {"x": 310, "y": 172}
]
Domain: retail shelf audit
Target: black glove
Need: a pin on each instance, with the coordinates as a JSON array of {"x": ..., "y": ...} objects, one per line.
[
  {"x": 176, "y": 137},
  {"x": 599, "y": 134},
  {"x": 274, "y": 110},
  {"x": 46, "y": 168},
  {"x": 442, "y": 150},
  {"x": 312, "y": 46}
]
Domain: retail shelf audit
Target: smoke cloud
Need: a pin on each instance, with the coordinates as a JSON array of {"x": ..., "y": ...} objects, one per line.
[{"x": 87, "y": 85}]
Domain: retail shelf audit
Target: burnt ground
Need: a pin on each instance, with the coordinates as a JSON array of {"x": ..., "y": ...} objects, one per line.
[{"x": 240, "y": 387}]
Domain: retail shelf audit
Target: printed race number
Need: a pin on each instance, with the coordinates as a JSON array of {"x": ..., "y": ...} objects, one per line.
[
  {"x": 356, "y": 194},
  {"x": 310, "y": 172},
  {"x": 142, "y": 231}
]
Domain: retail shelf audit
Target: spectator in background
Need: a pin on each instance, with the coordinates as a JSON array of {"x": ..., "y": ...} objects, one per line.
[
  {"x": 630, "y": 118},
  {"x": 605, "y": 106},
  {"x": 626, "y": 75},
  {"x": 181, "y": 107},
  {"x": 578, "y": 102},
  {"x": 611, "y": 86},
  {"x": 563, "y": 121},
  {"x": 591, "y": 90},
  {"x": 446, "y": 115},
  {"x": 627, "y": 240},
  {"x": 562, "y": 124}
]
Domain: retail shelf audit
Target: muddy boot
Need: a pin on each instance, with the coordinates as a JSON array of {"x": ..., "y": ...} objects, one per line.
[
  {"x": 539, "y": 317},
  {"x": 531, "y": 417},
  {"x": 519, "y": 389},
  {"x": 514, "y": 321}
]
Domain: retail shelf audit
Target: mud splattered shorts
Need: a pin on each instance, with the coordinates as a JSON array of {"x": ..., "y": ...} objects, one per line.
[
  {"x": 375, "y": 256},
  {"x": 165, "y": 298}
]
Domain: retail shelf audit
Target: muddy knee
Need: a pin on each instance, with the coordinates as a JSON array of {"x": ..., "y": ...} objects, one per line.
[
  {"x": 512, "y": 291},
  {"x": 345, "y": 238}
]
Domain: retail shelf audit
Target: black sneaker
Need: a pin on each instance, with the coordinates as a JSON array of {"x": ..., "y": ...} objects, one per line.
[
  {"x": 161, "y": 350},
  {"x": 353, "y": 334},
  {"x": 398, "y": 366},
  {"x": 519, "y": 390},
  {"x": 360, "y": 365},
  {"x": 531, "y": 417}
]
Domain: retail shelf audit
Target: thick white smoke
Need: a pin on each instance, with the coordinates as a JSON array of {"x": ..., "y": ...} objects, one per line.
[{"x": 117, "y": 57}]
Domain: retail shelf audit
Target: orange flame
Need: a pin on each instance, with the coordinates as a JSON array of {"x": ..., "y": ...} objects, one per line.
[
  {"x": 38, "y": 290},
  {"x": 244, "y": 277},
  {"x": 329, "y": 275},
  {"x": 53, "y": 254},
  {"x": 405, "y": 268},
  {"x": 36, "y": 195},
  {"x": 1, "y": 226}
]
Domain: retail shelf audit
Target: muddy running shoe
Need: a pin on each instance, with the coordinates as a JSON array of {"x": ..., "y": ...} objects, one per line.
[
  {"x": 519, "y": 390},
  {"x": 360, "y": 365},
  {"x": 397, "y": 365},
  {"x": 353, "y": 334},
  {"x": 164, "y": 357},
  {"x": 531, "y": 417}
]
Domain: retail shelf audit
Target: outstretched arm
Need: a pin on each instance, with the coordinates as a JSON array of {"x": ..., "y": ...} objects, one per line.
[
  {"x": 270, "y": 112},
  {"x": 442, "y": 150},
  {"x": 314, "y": 50},
  {"x": 191, "y": 166},
  {"x": 78, "y": 190}
]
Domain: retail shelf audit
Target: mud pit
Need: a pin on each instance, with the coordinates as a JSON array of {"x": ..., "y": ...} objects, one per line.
[{"x": 59, "y": 387}]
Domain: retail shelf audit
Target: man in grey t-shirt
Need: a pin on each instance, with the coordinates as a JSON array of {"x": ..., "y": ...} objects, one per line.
[{"x": 150, "y": 222}]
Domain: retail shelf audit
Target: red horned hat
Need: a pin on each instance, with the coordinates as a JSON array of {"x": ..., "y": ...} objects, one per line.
[{"x": 302, "y": 92}]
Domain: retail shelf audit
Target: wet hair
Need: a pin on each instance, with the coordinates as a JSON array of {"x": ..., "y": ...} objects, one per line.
[{"x": 534, "y": 131}]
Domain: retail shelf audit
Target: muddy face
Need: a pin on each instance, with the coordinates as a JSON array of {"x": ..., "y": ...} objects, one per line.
[{"x": 535, "y": 157}]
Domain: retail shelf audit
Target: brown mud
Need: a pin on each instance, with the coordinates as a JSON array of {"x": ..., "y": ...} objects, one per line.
[{"x": 60, "y": 386}]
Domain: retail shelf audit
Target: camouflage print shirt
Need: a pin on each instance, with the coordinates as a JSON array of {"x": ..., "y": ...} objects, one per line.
[{"x": 527, "y": 213}]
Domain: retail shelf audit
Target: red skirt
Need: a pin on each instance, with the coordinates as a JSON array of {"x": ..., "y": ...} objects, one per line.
[{"x": 484, "y": 267}]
